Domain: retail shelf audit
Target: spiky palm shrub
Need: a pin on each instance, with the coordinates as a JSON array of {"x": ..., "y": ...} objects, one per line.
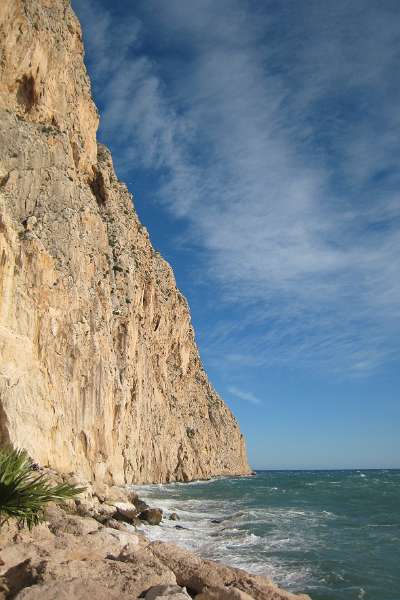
[{"x": 24, "y": 494}]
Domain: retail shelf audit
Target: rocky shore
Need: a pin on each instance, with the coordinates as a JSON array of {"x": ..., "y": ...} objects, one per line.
[{"x": 93, "y": 546}]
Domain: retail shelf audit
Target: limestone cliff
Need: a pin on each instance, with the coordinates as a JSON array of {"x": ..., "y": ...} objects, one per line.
[{"x": 99, "y": 370}]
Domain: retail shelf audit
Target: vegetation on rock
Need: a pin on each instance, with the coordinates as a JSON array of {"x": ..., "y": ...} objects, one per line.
[{"x": 24, "y": 493}]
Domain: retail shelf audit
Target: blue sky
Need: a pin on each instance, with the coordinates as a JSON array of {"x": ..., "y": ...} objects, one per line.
[{"x": 261, "y": 142}]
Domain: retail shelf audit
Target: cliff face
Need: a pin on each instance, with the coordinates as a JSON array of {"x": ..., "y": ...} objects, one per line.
[{"x": 99, "y": 370}]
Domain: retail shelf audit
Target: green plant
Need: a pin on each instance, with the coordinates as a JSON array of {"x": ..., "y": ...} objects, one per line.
[{"x": 23, "y": 493}]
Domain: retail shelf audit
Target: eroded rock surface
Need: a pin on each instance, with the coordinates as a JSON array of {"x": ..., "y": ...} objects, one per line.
[{"x": 99, "y": 370}]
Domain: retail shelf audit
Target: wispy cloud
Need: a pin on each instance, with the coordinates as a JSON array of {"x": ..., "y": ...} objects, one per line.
[
  {"x": 242, "y": 395},
  {"x": 275, "y": 134}
]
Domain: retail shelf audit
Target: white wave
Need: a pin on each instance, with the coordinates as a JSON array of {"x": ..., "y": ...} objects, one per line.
[{"x": 233, "y": 536}]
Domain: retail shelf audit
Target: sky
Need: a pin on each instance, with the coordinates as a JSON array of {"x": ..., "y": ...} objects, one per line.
[{"x": 261, "y": 142}]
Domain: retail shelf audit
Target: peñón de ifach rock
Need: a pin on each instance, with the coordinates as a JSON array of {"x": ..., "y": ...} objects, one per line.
[{"x": 99, "y": 370}]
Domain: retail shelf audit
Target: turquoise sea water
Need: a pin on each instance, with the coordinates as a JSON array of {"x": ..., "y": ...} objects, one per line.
[{"x": 332, "y": 534}]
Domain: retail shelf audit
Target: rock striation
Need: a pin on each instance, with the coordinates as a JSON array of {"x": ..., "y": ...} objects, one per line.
[{"x": 99, "y": 369}]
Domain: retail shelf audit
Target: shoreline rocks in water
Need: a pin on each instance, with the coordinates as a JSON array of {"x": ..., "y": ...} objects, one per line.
[
  {"x": 173, "y": 517},
  {"x": 71, "y": 556},
  {"x": 153, "y": 516}
]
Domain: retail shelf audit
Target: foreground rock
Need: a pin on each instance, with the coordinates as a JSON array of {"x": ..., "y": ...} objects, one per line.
[
  {"x": 73, "y": 558},
  {"x": 99, "y": 371}
]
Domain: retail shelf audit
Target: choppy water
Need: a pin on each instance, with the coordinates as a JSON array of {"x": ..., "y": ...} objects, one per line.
[{"x": 332, "y": 534}]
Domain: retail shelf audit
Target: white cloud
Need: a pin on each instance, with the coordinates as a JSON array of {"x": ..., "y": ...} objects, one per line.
[
  {"x": 242, "y": 395},
  {"x": 272, "y": 148}
]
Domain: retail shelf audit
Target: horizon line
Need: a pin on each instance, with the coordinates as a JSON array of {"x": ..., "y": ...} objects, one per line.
[{"x": 327, "y": 468}]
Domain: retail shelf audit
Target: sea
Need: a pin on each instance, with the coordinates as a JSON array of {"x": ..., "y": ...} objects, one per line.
[{"x": 334, "y": 535}]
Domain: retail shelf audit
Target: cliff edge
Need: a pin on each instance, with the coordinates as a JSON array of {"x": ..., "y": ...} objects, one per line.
[{"x": 99, "y": 370}]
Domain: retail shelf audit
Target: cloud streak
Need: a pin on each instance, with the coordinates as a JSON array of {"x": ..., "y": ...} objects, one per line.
[
  {"x": 242, "y": 395},
  {"x": 274, "y": 134}
]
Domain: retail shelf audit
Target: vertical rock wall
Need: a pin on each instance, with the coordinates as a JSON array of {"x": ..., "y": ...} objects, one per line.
[{"x": 99, "y": 370}]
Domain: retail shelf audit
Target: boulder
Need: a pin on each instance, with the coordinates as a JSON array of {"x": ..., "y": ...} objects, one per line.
[
  {"x": 153, "y": 516},
  {"x": 174, "y": 517}
]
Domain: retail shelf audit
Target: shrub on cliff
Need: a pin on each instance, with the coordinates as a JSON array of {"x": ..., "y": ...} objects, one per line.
[{"x": 24, "y": 493}]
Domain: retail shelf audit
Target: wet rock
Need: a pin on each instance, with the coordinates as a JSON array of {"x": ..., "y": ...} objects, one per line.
[
  {"x": 153, "y": 516},
  {"x": 174, "y": 517}
]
